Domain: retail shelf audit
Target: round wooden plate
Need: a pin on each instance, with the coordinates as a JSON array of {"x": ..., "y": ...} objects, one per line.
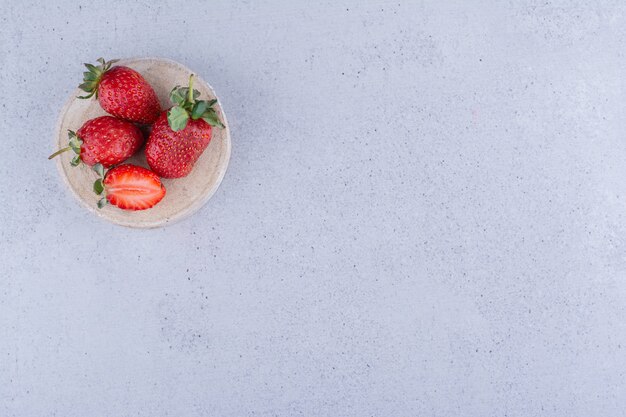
[{"x": 184, "y": 196}]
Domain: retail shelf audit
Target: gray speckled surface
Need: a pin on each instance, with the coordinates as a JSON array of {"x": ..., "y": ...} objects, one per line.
[{"x": 424, "y": 214}]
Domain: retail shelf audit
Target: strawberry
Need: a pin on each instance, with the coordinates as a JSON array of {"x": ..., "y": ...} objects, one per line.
[
  {"x": 181, "y": 134},
  {"x": 129, "y": 187},
  {"x": 121, "y": 91},
  {"x": 105, "y": 140}
]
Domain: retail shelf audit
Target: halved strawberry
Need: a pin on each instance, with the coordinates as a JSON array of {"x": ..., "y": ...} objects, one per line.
[{"x": 130, "y": 187}]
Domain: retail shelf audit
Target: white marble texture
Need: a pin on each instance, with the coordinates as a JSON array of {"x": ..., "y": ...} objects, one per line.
[{"x": 424, "y": 215}]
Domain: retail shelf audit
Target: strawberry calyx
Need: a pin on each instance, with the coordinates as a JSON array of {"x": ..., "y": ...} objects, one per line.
[
  {"x": 93, "y": 75},
  {"x": 186, "y": 106},
  {"x": 74, "y": 144},
  {"x": 98, "y": 185}
]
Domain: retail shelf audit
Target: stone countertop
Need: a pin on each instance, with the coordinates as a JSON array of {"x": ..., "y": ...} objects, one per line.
[{"x": 424, "y": 214}]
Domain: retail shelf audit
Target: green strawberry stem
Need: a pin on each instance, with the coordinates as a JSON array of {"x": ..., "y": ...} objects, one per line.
[
  {"x": 190, "y": 91},
  {"x": 74, "y": 144},
  {"x": 185, "y": 107},
  {"x": 60, "y": 151}
]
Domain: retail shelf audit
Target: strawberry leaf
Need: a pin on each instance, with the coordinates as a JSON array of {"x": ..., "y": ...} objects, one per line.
[
  {"x": 75, "y": 142},
  {"x": 88, "y": 86},
  {"x": 186, "y": 106},
  {"x": 177, "y": 118},
  {"x": 184, "y": 91},
  {"x": 211, "y": 118},
  {"x": 198, "y": 109},
  {"x": 98, "y": 186},
  {"x": 102, "y": 202},
  {"x": 99, "y": 168},
  {"x": 177, "y": 96},
  {"x": 92, "y": 77},
  {"x": 89, "y": 76},
  {"x": 75, "y": 161},
  {"x": 91, "y": 67},
  {"x": 107, "y": 65},
  {"x": 88, "y": 95}
]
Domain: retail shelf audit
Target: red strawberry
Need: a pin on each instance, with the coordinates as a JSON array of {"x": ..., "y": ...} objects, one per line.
[
  {"x": 130, "y": 187},
  {"x": 172, "y": 154},
  {"x": 105, "y": 140},
  {"x": 180, "y": 135},
  {"x": 122, "y": 92}
]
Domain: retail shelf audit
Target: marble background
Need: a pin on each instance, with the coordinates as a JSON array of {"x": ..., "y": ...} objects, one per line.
[{"x": 424, "y": 215}]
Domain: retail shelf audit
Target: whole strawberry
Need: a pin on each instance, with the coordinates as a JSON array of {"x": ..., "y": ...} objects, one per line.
[
  {"x": 105, "y": 140},
  {"x": 121, "y": 91},
  {"x": 180, "y": 135},
  {"x": 129, "y": 187}
]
